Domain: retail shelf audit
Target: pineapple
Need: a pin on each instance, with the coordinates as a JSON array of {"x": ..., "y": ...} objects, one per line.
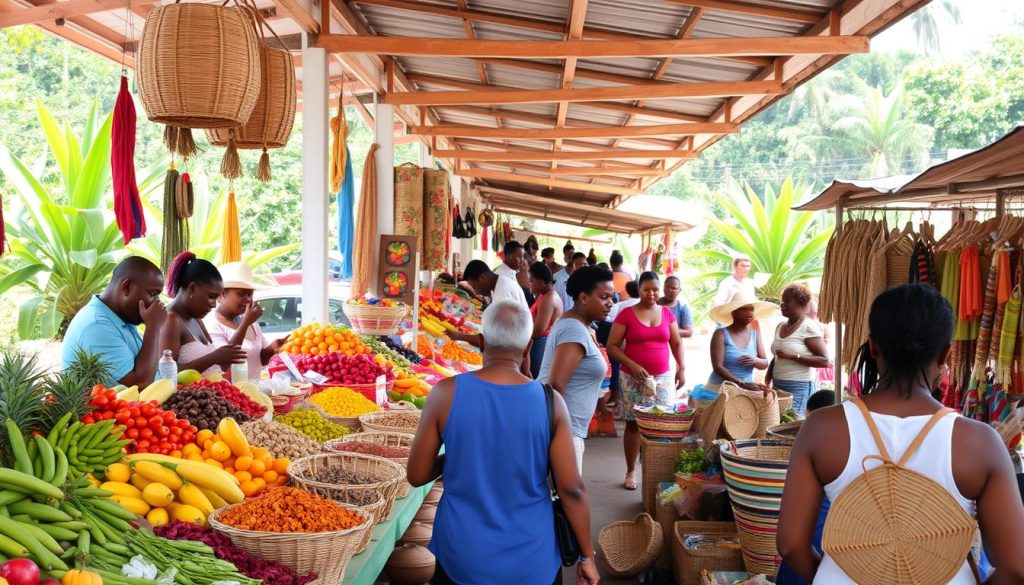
[
  {"x": 21, "y": 394},
  {"x": 69, "y": 390},
  {"x": 89, "y": 368}
]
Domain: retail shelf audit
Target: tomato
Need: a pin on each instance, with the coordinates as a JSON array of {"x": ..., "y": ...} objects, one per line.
[
  {"x": 88, "y": 420},
  {"x": 163, "y": 431},
  {"x": 155, "y": 423},
  {"x": 130, "y": 423},
  {"x": 168, "y": 416},
  {"x": 121, "y": 417},
  {"x": 132, "y": 434},
  {"x": 147, "y": 410},
  {"x": 145, "y": 432},
  {"x": 141, "y": 421},
  {"x": 143, "y": 444},
  {"x": 182, "y": 423},
  {"x": 135, "y": 412}
]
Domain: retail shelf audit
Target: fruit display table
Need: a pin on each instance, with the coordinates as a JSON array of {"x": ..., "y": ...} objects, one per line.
[{"x": 364, "y": 568}]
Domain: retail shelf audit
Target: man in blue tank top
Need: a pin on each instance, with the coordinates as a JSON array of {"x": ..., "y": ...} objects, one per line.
[{"x": 495, "y": 522}]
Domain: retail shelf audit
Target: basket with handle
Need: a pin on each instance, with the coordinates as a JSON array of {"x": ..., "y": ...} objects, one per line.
[
  {"x": 664, "y": 426},
  {"x": 658, "y": 459},
  {"x": 723, "y": 555},
  {"x": 324, "y": 553},
  {"x": 385, "y": 478},
  {"x": 768, "y": 409},
  {"x": 375, "y": 319},
  {"x": 630, "y": 547}
]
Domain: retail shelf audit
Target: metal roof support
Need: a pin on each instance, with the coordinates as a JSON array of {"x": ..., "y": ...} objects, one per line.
[{"x": 838, "y": 357}]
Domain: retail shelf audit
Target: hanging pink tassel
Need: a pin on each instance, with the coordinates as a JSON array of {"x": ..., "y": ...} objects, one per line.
[{"x": 127, "y": 205}]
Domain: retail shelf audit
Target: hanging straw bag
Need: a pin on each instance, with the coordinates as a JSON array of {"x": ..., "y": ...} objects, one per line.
[
  {"x": 875, "y": 539},
  {"x": 273, "y": 116},
  {"x": 768, "y": 411},
  {"x": 198, "y": 67}
]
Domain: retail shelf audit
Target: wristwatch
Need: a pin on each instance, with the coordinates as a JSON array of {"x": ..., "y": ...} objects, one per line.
[{"x": 584, "y": 559}]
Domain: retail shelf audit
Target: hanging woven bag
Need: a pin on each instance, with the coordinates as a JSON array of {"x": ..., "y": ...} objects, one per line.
[
  {"x": 272, "y": 118},
  {"x": 198, "y": 67}
]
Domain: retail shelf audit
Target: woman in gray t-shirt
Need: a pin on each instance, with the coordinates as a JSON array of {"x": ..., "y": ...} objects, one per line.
[{"x": 573, "y": 364}]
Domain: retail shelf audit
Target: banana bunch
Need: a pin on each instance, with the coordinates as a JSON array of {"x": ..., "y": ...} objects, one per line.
[
  {"x": 167, "y": 488},
  {"x": 48, "y": 517},
  {"x": 89, "y": 447}
]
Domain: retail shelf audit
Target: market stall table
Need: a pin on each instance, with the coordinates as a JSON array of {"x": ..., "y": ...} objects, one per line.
[{"x": 365, "y": 567}]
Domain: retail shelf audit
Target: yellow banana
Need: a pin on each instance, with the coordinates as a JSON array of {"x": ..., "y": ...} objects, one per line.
[
  {"x": 122, "y": 489},
  {"x": 205, "y": 476},
  {"x": 231, "y": 433},
  {"x": 217, "y": 501},
  {"x": 191, "y": 495},
  {"x": 155, "y": 472}
]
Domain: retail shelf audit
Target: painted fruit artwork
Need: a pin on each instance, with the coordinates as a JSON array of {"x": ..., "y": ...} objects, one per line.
[
  {"x": 396, "y": 284},
  {"x": 399, "y": 254}
]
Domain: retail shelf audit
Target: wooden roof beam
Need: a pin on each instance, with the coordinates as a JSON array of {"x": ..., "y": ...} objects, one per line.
[
  {"x": 723, "y": 47},
  {"x": 523, "y": 22},
  {"x": 801, "y": 16},
  {"x": 515, "y": 155},
  {"x": 541, "y": 181},
  {"x": 590, "y": 171},
  {"x": 590, "y": 94},
  {"x": 55, "y": 11},
  {"x": 532, "y": 118},
  {"x": 575, "y": 132},
  {"x": 575, "y": 19}
]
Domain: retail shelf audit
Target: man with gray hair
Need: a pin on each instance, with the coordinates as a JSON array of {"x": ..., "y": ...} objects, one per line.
[{"x": 495, "y": 523}]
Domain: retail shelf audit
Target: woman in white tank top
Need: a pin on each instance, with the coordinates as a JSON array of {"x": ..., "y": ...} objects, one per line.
[{"x": 910, "y": 331}]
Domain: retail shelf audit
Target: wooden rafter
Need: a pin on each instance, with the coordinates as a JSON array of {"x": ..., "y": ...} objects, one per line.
[
  {"x": 566, "y": 143},
  {"x": 576, "y": 18},
  {"x": 541, "y": 181},
  {"x": 590, "y": 94},
  {"x": 561, "y": 132},
  {"x": 52, "y": 12},
  {"x": 516, "y": 49},
  {"x": 589, "y": 171},
  {"x": 517, "y": 155},
  {"x": 801, "y": 16}
]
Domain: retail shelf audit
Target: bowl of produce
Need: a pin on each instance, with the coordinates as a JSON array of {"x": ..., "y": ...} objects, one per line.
[
  {"x": 343, "y": 405},
  {"x": 397, "y": 421},
  {"x": 391, "y": 446},
  {"x": 347, "y": 476},
  {"x": 298, "y": 529},
  {"x": 375, "y": 317},
  {"x": 661, "y": 424}
]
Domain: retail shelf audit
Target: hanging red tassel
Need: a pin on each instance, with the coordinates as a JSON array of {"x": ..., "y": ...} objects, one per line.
[{"x": 127, "y": 205}]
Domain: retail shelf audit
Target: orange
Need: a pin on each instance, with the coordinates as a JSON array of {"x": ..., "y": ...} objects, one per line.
[
  {"x": 260, "y": 453},
  {"x": 190, "y": 449},
  {"x": 206, "y": 453},
  {"x": 220, "y": 451},
  {"x": 258, "y": 467},
  {"x": 332, "y": 347},
  {"x": 270, "y": 476},
  {"x": 176, "y": 453},
  {"x": 260, "y": 483},
  {"x": 243, "y": 463},
  {"x": 281, "y": 466},
  {"x": 322, "y": 345},
  {"x": 203, "y": 436},
  {"x": 339, "y": 337},
  {"x": 195, "y": 457},
  {"x": 243, "y": 476},
  {"x": 249, "y": 488},
  {"x": 281, "y": 480},
  {"x": 229, "y": 469}
]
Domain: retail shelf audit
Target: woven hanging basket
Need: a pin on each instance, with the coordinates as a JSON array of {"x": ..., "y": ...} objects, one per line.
[{"x": 199, "y": 66}]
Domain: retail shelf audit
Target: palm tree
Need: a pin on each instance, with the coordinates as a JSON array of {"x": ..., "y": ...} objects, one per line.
[
  {"x": 926, "y": 24},
  {"x": 875, "y": 129}
]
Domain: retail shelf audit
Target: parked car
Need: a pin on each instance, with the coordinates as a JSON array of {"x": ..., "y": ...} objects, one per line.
[
  {"x": 294, "y": 275},
  {"x": 282, "y": 308}
]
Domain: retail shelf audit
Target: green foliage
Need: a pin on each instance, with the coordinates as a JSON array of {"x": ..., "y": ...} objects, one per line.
[
  {"x": 64, "y": 242},
  {"x": 788, "y": 245}
]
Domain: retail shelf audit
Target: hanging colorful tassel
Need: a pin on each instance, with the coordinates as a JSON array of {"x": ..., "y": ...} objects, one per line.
[
  {"x": 231, "y": 243},
  {"x": 127, "y": 205},
  {"x": 346, "y": 218}
]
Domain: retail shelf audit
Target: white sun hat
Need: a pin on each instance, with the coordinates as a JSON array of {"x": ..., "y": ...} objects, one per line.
[
  {"x": 239, "y": 275},
  {"x": 723, "y": 313}
]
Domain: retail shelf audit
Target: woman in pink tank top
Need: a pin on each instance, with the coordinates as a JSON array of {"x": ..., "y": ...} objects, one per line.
[{"x": 909, "y": 343}]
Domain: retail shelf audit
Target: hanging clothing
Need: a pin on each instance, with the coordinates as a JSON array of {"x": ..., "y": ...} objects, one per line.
[{"x": 346, "y": 218}]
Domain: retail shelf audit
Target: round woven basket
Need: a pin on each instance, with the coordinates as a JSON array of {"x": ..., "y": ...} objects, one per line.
[
  {"x": 785, "y": 432},
  {"x": 199, "y": 66},
  {"x": 630, "y": 547},
  {"x": 324, "y": 553},
  {"x": 375, "y": 319},
  {"x": 273, "y": 117},
  {"x": 385, "y": 421},
  {"x": 668, "y": 426},
  {"x": 768, "y": 410},
  {"x": 757, "y": 541},
  {"x": 387, "y": 439},
  {"x": 785, "y": 400},
  {"x": 387, "y": 474},
  {"x": 740, "y": 419}
]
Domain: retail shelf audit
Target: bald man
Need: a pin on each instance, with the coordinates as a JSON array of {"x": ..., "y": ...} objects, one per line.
[{"x": 108, "y": 325}]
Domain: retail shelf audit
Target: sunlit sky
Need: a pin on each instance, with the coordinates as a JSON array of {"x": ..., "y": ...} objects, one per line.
[{"x": 981, "y": 20}]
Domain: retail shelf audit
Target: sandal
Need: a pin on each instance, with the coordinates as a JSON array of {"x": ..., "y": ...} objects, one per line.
[{"x": 630, "y": 482}]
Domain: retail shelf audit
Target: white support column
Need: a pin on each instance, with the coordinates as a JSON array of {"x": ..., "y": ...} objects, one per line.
[
  {"x": 426, "y": 158},
  {"x": 315, "y": 135},
  {"x": 384, "y": 134}
]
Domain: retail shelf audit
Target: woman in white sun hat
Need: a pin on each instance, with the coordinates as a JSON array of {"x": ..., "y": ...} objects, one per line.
[
  {"x": 736, "y": 348},
  {"x": 236, "y": 320}
]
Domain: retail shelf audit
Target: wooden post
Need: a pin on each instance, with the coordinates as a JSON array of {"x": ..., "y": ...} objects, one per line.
[
  {"x": 838, "y": 358},
  {"x": 385, "y": 138},
  {"x": 315, "y": 122}
]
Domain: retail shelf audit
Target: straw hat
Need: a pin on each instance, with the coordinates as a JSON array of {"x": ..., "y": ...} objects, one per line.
[
  {"x": 723, "y": 313},
  {"x": 239, "y": 275}
]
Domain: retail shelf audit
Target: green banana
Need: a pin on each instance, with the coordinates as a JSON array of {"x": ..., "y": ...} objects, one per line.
[
  {"x": 22, "y": 462},
  {"x": 46, "y": 457}
]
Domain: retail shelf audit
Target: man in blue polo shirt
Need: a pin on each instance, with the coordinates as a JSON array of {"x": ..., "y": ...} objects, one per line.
[{"x": 108, "y": 325}]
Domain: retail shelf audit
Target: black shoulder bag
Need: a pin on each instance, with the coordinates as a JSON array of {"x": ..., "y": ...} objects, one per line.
[{"x": 567, "y": 543}]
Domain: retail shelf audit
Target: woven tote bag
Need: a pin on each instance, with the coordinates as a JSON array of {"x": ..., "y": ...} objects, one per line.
[{"x": 894, "y": 525}]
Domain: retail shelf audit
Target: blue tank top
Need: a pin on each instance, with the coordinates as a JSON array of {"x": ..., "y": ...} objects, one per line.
[
  {"x": 732, "y": 358},
  {"x": 494, "y": 524}
]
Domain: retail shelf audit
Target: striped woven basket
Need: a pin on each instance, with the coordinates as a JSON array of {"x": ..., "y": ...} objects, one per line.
[{"x": 664, "y": 426}]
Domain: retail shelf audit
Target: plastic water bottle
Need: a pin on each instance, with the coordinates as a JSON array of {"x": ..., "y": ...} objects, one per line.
[
  {"x": 167, "y": 369},
  {"x": 239, "y": 373}
]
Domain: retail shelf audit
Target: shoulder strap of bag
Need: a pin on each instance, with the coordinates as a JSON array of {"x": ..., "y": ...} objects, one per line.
[
  {"x": 549, "y": 401},
  {"x": 882, "y": 451}
]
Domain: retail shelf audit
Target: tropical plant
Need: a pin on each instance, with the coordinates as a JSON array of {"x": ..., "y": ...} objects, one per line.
[
  {"x": 788, "y": 246},
  {"x": 64, "y": 241},
  {"x": 876, "y": 129},
  {"x": 926, "y": 23},
  {"x": 206, "y": 227}
]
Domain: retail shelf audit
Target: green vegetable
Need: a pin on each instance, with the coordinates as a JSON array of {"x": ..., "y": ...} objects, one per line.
[{"x": 692, "y": 461}]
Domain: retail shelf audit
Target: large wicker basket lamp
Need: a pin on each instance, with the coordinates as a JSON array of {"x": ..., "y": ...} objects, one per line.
[
  {"x": 199, "y": 67},
  {"x": 274, "y": 115}
]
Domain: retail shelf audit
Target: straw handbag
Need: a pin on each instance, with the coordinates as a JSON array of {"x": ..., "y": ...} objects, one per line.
[
  {"x": 199, "y": 67},
  {"x": 272, "y": 118},
  {"x": 894, "y": 525}
]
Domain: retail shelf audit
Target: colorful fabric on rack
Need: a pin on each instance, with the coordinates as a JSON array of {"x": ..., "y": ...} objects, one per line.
[
  {"x": 970, "y": 285},
  {"x": 1005, "y": 287},
  {"x": 922, "y": 265}
]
